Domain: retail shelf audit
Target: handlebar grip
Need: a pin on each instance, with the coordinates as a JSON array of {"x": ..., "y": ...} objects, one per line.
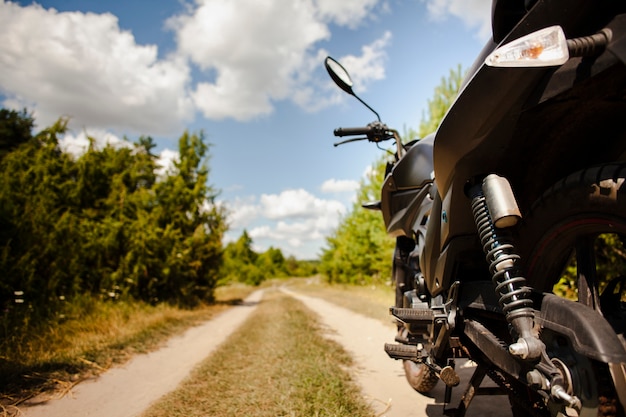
[{"x": 352, "y": 131}]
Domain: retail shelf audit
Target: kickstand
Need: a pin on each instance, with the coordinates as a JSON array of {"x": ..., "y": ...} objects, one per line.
[{"x": 473, "y": 389}]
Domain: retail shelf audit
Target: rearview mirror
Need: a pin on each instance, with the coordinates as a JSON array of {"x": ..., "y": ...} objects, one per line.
[{"x": 339, "y": 75}]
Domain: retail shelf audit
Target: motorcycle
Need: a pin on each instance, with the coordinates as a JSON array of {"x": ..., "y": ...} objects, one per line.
[{"x": 521, "y": 180}]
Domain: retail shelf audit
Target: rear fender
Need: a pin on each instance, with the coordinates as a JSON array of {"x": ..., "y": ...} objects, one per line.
[{"x": 590, "y": 334}]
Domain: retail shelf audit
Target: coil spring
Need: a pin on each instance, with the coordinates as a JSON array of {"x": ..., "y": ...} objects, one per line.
[{"x": 501, "y": 256}]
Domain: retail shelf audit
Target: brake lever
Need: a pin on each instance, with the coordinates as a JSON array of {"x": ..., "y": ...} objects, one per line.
[{"x": 349, "y": 140}]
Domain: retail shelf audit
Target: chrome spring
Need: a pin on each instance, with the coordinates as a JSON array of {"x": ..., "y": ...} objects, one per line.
[{"x": 500, "y": 254}]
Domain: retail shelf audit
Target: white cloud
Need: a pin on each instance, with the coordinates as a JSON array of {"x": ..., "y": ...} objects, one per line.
[
  {"x": 474, "y": 13},
  {"x": 298, "y": 204},
  {"x": 370, "y": 65},
  {"x": 339, "y": 186},
  {"x": 242, "y": 212},
  {"x": 165, "y": 161},
  {"x": 79, "y": 144},
  {"x": 295, "y": 233},
  {"x": 251, "y": 54},
  {"x": 348, "y": 13},
  {"x": 256, "y": 53},
  {"x": 364, "y": 69},
  {"x": 82, "y": 65},
  {"x": 293, "y": 216}
]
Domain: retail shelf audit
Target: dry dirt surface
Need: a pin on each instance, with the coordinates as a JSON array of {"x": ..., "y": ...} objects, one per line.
[
  {"x": 381, "y": 378},
  {"x": 128, "y": 390}
]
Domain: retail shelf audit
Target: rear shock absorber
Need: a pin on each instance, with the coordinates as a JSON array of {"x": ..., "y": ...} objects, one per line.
[{"x": 495, "y": 209}]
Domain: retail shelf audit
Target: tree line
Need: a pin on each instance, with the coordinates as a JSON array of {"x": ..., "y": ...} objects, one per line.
[
  {"x": 109, "y": 224},
  {"x": 243, "y": 264}
]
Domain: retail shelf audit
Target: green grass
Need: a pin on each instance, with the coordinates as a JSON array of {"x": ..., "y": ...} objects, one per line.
[
  {"x": 278, "y": 363},
  {"x": 92, "y": 336}
]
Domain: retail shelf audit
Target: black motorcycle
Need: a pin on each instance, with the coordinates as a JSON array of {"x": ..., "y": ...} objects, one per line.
[{"x": 523, "y": 179}]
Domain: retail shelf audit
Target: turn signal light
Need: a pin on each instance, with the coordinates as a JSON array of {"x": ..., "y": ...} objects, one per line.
[{"x": 543, "y": 48}]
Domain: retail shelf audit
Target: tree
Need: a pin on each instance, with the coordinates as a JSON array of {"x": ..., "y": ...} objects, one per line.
[
  {"x": 438, "y": 105},
  {"x": 243, "y": 264},
  {"x": 240, "y": 262},
  {"x": 359, "y": 252},
  {"x": 191, "y": 225},
  {"x": 15, "y": 129},
  {"x": 272, "y": 263},
  {"x": 37, "y": 241},
  {"x": 103, "y": 223}
]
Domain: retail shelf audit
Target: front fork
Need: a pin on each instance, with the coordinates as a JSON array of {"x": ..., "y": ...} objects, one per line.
[
  {"x": 403, "y": 274},
  {"x": 495, "y": 211}
]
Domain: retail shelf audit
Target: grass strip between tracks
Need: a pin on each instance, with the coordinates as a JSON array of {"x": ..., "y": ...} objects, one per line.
[{"x": 278, "y": 363}]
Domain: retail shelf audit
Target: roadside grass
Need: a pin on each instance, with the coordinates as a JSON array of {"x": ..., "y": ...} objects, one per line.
[
  {"x": 278, "y": 363},
  {"x": 90, "y": 337}
]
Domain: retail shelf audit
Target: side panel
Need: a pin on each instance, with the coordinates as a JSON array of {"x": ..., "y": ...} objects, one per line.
[
  {"x": 405, "y": 195},
  {"x": 416, "y": 166}
]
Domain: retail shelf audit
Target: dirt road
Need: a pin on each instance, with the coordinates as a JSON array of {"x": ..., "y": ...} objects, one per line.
[
  {"x": 127, "y": 391},
  {"x": 381, "y": 378}
]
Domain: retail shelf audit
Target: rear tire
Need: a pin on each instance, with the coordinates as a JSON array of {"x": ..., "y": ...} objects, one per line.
[
  {"x": 420, "y": 377},
  {"x": 566, "y": 220}
]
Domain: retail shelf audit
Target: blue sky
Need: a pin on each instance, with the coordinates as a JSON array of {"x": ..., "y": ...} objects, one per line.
[{"x": 250, "y": 75}]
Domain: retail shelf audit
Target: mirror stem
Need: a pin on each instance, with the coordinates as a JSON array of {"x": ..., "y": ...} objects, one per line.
[{"x": 367, "y": 105}]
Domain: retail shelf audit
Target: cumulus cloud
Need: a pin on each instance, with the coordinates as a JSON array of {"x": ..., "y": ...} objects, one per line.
[
  {"x": 273, "y": 59},
  {"x": 249, "y": 55},
  {"x": 348, "y": 13},
  {"x": 82, "y": 65},
  {"x": 474, "y": 13},
  {"x": 370, "y": 65},
  {"x": 339, "y": 186},
  {"x": 298, "y": 204},
  {"x": 78, "y": 144},
  {"x": 165, "y": 161},
  {"x": 242, "y": 212},
  {"x": 292, "y": 216}
]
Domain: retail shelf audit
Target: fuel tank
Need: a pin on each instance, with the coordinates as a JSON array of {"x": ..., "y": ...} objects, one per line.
[{"x": 405, "y": 195}]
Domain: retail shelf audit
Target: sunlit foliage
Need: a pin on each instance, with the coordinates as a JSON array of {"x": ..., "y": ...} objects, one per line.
[{"x": 102, "y": 223}]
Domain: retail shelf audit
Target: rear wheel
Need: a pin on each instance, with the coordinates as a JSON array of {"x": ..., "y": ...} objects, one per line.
[
  {"x": 419, "y": 376},
  {"x": 571, "y": 235}
]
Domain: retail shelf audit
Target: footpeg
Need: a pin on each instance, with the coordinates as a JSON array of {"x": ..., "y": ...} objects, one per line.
[
  {"x": 422, "y": 316},
  {"x": 405, "y": 352}
]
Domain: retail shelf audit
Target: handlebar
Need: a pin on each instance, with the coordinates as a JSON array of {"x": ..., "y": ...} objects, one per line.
[
  {"x": 352, "y": 131},
  {"x": 374, "y": 132}
]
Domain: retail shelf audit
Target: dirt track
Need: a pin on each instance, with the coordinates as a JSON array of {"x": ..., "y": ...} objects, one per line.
[
  {"x": 381, "y": 378},
  {"x": 127, "y": 391}
]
